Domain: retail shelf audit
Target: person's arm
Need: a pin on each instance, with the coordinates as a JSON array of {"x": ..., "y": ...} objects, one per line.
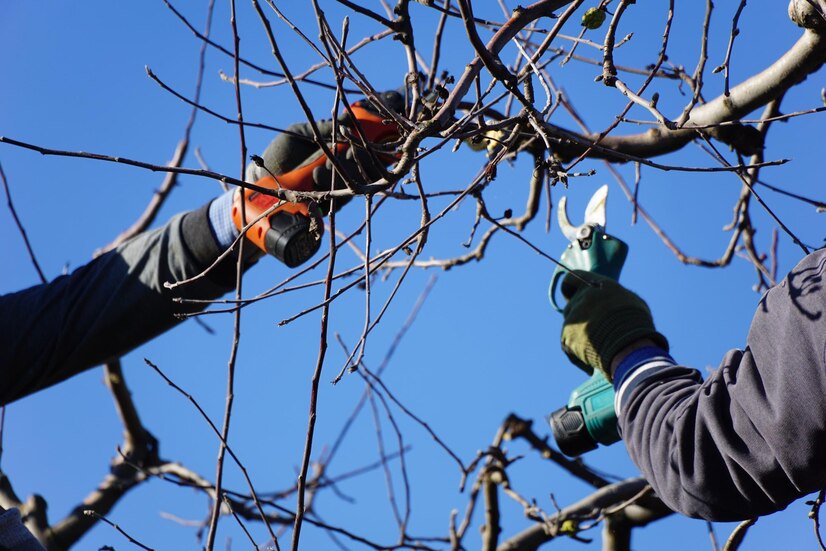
[
  {"x": 118, "y": 301},
  {"x": 13, "y": 533},
  {"x": 111, "y": 305},
  {"x": 751, "y": 438}
]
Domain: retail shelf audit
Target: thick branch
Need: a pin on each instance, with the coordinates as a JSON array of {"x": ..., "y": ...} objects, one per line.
[
  {"x": 589, "y": 508},
  {"x": 806, "y": 56},
  {"x": 616, "y": 534},
  {"x": 139, "y": 448}
]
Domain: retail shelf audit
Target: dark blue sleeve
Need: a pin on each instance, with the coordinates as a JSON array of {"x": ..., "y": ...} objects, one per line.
[
  {"x": 107, "y": 307},
  {"x": 751, "y": 438},
  {"x": 13, "y": 533}
]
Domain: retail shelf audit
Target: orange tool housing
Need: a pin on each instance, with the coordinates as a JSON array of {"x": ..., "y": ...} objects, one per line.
[{"x": 291, "y": 231}]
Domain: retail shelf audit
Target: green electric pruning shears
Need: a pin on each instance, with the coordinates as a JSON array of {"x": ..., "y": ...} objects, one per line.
[{"x": 589, "y": 417}]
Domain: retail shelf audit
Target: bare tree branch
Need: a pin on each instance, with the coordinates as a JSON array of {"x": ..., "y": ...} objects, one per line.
[
  {"x": 588, "y": 508},
  {"x": 20, "y": 227},
  {"x": 737, "y": 536}
]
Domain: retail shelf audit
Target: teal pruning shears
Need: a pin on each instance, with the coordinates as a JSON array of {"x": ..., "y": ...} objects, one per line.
[
  {"x": 589, "y": 417},
  {"x": 589, "y": 248}
]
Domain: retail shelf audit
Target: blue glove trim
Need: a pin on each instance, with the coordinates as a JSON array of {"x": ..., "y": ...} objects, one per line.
[
  {"x": 220, "y": 220},
  {"x": 628, "y": 372},
  {"x": 636, "y": 359}
]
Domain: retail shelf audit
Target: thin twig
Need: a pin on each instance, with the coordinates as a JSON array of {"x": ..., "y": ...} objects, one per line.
[
  {"x": 417, "y": 419},
  {"x": 734, "y": 33},
  {"x": 368, "y": 244},
  {"x": 310, "y": 70},
  {"x": 228, "y": 504},
  {"x": 437, "y": 47},
  {"x": 90, "y": 513},
  {"x": 388, "y": 475},
  {"x": 814, "y": 514},
  {"x": 207, "y": 40},
  {"x": 20, "y": 227},
  {"x": 712, "y": 536},
  {"x": 516, "y": 427},
  {"x": 236, "y": 334},
  {"x": 736, "y": 538},
  {"x": 2, "y": 430},
  {"x": 747, "y": 180},
  {"x": 411, "y": 317},
  {"x": 322, "y": 350},
  {"x": 258, "y": 503},
  {"x": 697, "y": 78}
]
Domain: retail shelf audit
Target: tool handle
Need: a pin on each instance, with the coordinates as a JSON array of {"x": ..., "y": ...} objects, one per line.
[
  {"x": 284, "y": 229},
  {"x": 601, "y": 254},
  {"x": 376, "y": 129},
  {"x": 587, "y": 419}
]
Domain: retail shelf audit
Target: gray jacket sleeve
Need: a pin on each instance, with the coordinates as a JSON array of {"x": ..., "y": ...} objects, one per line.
[
  {"x": 13, "y": 533},
  {"x": 751, "y": 438},
  {"x": 107, "y": 307}
]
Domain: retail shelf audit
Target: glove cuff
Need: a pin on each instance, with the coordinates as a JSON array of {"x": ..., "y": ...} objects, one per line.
[
  {"x": 201, "y": 243},
  {"x": 220, "y": 220},
  {"x": 616, "y": 332}
]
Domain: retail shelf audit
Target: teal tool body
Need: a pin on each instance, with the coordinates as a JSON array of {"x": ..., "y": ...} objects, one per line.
[{"x": 589, "y": 417}]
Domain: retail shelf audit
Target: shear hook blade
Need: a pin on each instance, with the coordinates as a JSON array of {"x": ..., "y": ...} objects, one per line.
[
  {"x": 568, "y": 230},
  {"x": 595, "y": 211}
]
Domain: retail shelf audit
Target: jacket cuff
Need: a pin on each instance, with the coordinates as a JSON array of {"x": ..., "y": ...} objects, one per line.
[
  {"x": 638, "y": 366},
  {"x": 220, "y": 220},
  {"x": 202, "y": 245}
]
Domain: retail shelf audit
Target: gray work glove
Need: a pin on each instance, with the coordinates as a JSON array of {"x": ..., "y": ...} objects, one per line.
[
  {"x": 602, "y": 319},
  {"x": 296, "y": 147}
]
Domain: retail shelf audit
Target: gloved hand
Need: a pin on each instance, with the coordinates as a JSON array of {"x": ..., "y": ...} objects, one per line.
[
  {"x": 296, "y": 148},
  {"x": 602, "y": 319},
  {"x": 292, "y": 231}
]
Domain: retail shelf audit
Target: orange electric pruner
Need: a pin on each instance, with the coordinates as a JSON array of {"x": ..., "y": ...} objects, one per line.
[{"x": 292, "y": 231}]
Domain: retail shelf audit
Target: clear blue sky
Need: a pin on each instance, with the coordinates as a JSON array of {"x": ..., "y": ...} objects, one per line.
[{"x": 485, "y": 342}]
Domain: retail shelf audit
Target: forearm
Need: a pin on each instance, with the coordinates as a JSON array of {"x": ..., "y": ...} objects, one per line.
[
  {"x": 695, "y": 446},
  {"x": 750, "y": 439},
  {"x": 107, "y": 307},
  {"x": 13, "y": 534}
]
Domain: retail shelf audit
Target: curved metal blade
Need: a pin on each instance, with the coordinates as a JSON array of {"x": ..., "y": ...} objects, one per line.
[
  {"x": 595, "y": 211},
  {"x": 568, "y": 230}
]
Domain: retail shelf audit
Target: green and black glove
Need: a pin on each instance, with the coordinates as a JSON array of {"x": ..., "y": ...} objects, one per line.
[{"x": 602, "y": 318}]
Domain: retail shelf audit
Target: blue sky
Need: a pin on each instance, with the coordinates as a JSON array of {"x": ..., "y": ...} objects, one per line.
[{"x": 485, "y": 342}]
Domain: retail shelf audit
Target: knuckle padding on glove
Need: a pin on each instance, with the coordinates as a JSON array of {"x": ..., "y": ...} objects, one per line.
[
  {"x": 357, "y": 164},
  {"x": 289, "y": 149},
  {"x": 296, "y": 148},
  {"x": 602, "y": 320},
  {"x": 571, "y": 283}
]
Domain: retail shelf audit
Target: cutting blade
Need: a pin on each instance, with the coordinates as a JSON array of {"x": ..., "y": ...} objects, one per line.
[
  {"x": 568, "y": 229},
  {"x": 595, "y": 211}
]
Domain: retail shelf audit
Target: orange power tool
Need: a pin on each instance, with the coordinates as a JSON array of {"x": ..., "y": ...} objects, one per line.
[{"x": 292, "y": 231}]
